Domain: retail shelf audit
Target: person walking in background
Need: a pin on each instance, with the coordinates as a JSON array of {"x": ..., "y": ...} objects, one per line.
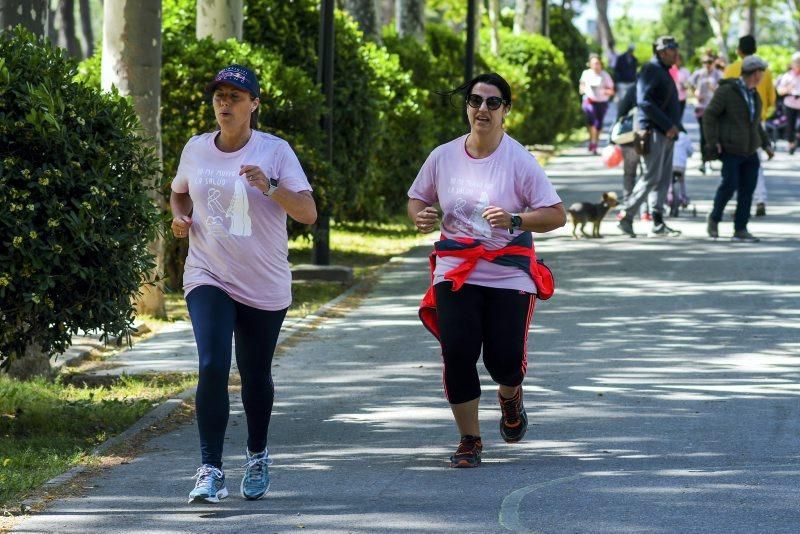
[
  {"x": 230, "y": 197},
  {"x": 766, "y": 91},
  {"x": 630, "y": 158},
  {"x": 680, "y": 75},
  {"x": 659, "y": 115},
  {"x": 704, "y": 81},
  {"x": 597, "y": 88},
  {"x": 788, "y": 87},
  {"x": 625, "y": 69},
  {"x": 734, "y": 130},
  {"x": 493, "y": 194}
]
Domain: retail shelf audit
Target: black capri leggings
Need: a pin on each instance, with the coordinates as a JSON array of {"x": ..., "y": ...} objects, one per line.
[
  {"x": 216, "y": 320},
  {"x": 476, "y": 317}
]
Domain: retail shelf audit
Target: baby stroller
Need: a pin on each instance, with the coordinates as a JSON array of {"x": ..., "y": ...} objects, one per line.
[
  {"x": 777, "y": 123},
  {"x": 677, "y": 198}
]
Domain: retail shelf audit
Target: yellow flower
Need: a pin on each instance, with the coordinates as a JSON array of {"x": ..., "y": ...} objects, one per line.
[
  {"x": 36, "y": 299},
  {"x": 57, "y": 249},
  {"x": 4, "y": 280},
  {"x": 43, "y": 181},
  {"x": 26, "y": 173},
  {"x": 31, "y": 207},
  {"x": 17, "y": 241},
  {"x": 52, "y": 223},
  {"x": 86, "y": 205},
  {"x": 33, "y": 234}
]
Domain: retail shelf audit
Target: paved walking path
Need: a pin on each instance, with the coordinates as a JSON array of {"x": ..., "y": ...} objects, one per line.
[{"x": 663, "y": 391}]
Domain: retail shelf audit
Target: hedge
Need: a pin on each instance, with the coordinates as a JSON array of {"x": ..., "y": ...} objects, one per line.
[{"x": 78, "y": 218}]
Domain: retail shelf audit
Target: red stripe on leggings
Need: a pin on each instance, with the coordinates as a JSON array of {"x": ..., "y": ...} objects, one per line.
[{"x": 531, "y": 306}]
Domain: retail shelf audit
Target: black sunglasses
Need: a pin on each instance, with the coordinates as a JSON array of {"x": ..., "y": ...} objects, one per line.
[{"x": 493, "y": 102}]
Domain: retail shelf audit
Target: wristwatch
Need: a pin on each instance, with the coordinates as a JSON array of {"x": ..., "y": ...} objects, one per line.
[
  {"x": 516, "y": 223},
  {"x": 273, "y": 185}
]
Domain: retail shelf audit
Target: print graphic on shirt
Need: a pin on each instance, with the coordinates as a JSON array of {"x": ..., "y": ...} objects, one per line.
[
  {"x": 215, "y": 223},
  {"x": 460, "y": 221},
  {"x": 480, "y": 225},
  {"x": 238, "y": 211}
]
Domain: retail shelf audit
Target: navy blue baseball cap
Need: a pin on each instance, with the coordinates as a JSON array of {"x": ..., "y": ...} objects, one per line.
[{"x": 238, "y": 76}]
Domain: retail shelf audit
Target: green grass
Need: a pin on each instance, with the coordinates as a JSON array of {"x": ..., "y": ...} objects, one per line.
[
  {"x": 362, "y": 246},
  {"x": 48, "y": 427}
]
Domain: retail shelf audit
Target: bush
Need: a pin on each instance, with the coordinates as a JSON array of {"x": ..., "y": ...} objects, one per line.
[
  {"x": 436, "y": 65},
  {"x": 545, "y": 102},
  {"x": 567, "y": 38},
  {"x": 78, "y": 219},
  {"x": 778, "y": 57},
  {"x": 376, "y": 110}
]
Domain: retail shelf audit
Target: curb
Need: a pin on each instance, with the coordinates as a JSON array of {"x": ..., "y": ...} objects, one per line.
[{"x": 165, "y": 409}]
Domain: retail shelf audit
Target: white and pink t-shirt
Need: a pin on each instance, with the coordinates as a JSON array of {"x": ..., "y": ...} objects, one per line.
[
  {"x": 510, "y": 178},
  {"x": 594, "y": 85},
  {"x": 238, "y": 240}
]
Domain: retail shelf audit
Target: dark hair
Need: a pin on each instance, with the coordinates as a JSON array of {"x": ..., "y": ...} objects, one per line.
[
  {"x": 254, "y": 118},
  {"x": 489, "y": 78},
  {"x": 747, "y": 45}
]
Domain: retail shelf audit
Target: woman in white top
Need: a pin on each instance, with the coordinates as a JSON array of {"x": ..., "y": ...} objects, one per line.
[
  {"x": 788, "y": 87},
  {"x": 597, "y": 88}
]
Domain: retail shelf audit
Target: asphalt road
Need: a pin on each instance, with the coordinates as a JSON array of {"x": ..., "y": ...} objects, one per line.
[{"x": 662, "y": 390}]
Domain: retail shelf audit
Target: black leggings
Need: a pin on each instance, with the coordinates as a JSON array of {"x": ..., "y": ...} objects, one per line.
[
  {"x": 216, "y": 318},
  {"x": 791, "y": 124},
  {"x": 476, "y": 316}
]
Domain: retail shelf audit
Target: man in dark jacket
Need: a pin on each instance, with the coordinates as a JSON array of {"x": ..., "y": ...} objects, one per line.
[
  {"x": 733, "y": 130},
  {"x": 659, "y": 115},
  {"x": 625, "y": 68}
]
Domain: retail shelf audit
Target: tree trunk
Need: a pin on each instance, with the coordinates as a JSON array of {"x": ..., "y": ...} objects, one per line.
[
  {"x": 748, "y": 22},
  {"x": 132, "y": 63},
  {"x": 410, "y": 18},
  {"x": 385, "y": 10},
  {"x": 66, "y": 31},
  {"x": 219, "y": 19},
  {"x": 494, "y": 20},
  {"x": 794, "y": 6},
  {"x": 365, "y": 13},
  {"x": 32, "y": 14},
  {"x": 86, "y": 27},
  {"x": 718, "y": 19},
  {"x": 604, "y": 34},
  {"x": 32, "y": 364},
  {"x": 526, "y": 17}
]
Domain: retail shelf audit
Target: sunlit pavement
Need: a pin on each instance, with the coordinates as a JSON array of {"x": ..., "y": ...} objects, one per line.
[{"x": 663, "y": 390}]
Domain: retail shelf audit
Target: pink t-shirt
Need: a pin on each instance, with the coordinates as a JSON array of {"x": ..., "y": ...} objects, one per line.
[
  {"x": 510, "y": 178},
  {"x": 238, "y": 240}
]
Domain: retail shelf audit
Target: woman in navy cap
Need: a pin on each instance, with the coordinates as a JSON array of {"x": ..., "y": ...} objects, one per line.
[{"x": 232, "y": 192}]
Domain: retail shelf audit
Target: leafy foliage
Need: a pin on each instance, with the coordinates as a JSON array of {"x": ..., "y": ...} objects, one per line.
[
  {"x": 73, "y": 175},
  {"x": 545, "y": 102},
  {"x": 376, "y": 108},
  {"x": 567, "y": 38},
  {"x": 778, "y": 57}
]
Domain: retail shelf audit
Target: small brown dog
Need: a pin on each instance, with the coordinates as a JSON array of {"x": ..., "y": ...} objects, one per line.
[{"x": 583, "y": 212}]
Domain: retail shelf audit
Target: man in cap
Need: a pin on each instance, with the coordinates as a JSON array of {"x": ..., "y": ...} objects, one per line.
[
  {"x": 659, "y": 116},
  {"x": 766, "y": 90},
  {"x": 733, "y": 129}
]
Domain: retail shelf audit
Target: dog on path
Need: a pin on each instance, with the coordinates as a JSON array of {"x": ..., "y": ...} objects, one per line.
[{"x": 585, "y": 212}]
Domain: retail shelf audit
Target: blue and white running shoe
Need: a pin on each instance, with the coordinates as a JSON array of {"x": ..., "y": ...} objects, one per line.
[
  {"x": 210, "y": 486},
  {"x": 255, "y": 482}
]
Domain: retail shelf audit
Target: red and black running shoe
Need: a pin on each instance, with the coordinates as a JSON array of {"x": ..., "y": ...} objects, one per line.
[
  {"x": 468, "y": 453},
  {"x": 514, "y": 421}
]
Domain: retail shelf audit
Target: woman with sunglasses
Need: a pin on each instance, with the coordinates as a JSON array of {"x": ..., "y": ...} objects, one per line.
[
  {"x": 492, "y": 194},
  {"x": 230, "y": 197}
]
